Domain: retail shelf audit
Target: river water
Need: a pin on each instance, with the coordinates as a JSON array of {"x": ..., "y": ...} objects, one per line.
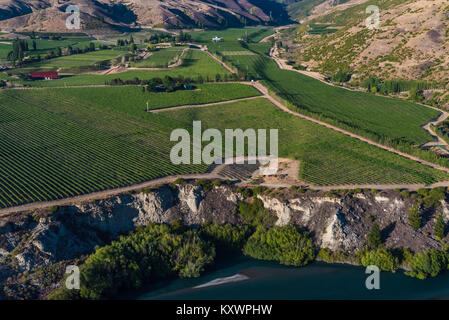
[{"x": 246, "y": 278}]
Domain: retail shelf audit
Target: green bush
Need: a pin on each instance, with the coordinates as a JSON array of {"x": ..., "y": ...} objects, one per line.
[
  {"x": 380, "y": 257},
  {"x": 374, "y": 238},
  {"x": 414, "y": 217},
  {"x": 255, "y": 213},
  {"x": 440, "y": 227},
  {"x": 284, "y": 244},
  {"x": 341, "y": 76},
  {"x": 430, "y": 263},
  {"x": 326, "y": 255},
  {"x": 226, "y": 236}
]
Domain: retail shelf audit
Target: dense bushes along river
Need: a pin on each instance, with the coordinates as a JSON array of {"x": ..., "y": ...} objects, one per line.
[{"x": 156, "y": 252}]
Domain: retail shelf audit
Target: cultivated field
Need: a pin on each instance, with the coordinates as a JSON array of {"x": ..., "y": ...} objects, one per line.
[
  {"x": 326, "y": 157},
  {"x": 5, "y": 48},
  {"x": 54, "y": 147},
  {"x": 255, "y": 34},
  {"x": 195, "y": 63},
  {"x": 366, "y": 114},
  {"x": 132, "y": 100},
  {"x": 160, "y": 58},
  {"x": 78, "y": 60}
]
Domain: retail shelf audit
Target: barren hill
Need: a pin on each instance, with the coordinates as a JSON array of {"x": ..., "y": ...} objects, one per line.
[
  {"x": 50, "y": 15},
  {"x": 411, "y": 42}
]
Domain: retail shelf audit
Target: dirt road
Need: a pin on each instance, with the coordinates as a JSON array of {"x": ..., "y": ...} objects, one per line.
[{"x": 202, "y": 105}]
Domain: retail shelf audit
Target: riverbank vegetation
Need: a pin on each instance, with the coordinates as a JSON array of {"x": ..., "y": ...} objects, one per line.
[{"x": 156, "y": 252}]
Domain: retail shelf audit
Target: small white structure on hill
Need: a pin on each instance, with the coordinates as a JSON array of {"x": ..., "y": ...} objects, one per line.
[{"x": 216, "y": 39}]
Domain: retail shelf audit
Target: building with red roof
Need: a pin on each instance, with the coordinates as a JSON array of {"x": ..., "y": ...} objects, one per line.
[{"x": 45, "y": 75}]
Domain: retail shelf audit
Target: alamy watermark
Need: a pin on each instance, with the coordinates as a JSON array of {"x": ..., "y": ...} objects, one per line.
[
  {"x": 373, "y": 21},
  {"x": 73, "y": 280},
  {"x": 190, "y": 150},
  {"x": 372, "y": 281},
  {"x": 73, "y": 22}
]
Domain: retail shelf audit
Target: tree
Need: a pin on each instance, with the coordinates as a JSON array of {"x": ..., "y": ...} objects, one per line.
[
  {"x": 428, "y": 264},
  {"x": 374, "y": 238},
  {"x": 416, "y": 95},
  {"x": 34, "y": 45},
  {"x": 341, "y": 76},
  {"x": 285, "y": 244},
  {"x": 415, "y": 217},
  {"x": 440, "y": 227},
  {"x": 380, "y": 257}
]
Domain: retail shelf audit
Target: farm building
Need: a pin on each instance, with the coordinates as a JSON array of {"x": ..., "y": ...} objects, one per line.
[{"x": 46, "y": 75}]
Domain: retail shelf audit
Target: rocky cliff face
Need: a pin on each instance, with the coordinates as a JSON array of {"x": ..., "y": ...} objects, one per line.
[
  {"x": 36, "y": 239},
  {"x": 342, "y": 223},
  {"x": 41, "y": 239}
]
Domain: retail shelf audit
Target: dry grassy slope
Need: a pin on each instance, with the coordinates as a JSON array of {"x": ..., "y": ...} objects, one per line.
[
  {"x": 412, "y": 42},
  {"x": 49, "y": 15}
]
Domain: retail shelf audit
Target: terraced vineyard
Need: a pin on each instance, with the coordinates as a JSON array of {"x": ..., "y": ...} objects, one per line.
[
  {"x": 326, "y": 157},
  {"x": 53, "y": 147}
]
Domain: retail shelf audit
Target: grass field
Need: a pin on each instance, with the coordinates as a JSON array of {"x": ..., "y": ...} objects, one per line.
[
  {"x": 4, "y": 50},
  {"x": 160, "y": 58},
  {"x": 326, "y": 157},
  {"x": 77, "y": 60},
  {"x": 195, "y": 63}
]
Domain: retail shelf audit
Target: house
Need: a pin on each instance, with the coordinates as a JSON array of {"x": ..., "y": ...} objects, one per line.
[
  {"x": 216, "y": 39},
  {"x": 44, "y": 75}
]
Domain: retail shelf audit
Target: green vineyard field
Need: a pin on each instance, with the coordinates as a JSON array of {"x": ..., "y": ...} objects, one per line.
[{"x": 326, "y": 157}]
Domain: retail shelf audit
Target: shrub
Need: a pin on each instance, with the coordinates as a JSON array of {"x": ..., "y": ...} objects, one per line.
[
  {"x": 205, "y": 184},
  {"x": 374, "y": 238},
  {"x": 440, "y": 227},
  {"x": 428, "y": 264},
  {"x": 226, "y": 237},
  {"x": 380, "y": 257},
  {"x": 415, "y": 217},
  {"x": 255, "y": 213},
  {"x": 327, "y": 255},
  {"x": 284, "y": 244},
  {"x": 180, "y": 181}
]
